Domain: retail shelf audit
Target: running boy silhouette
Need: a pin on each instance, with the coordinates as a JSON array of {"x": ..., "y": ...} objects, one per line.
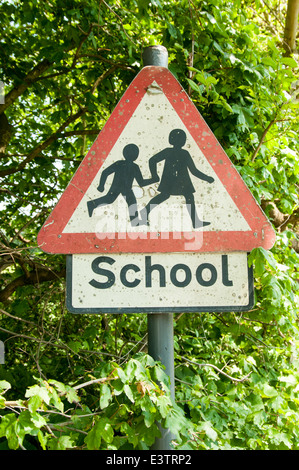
[
  {"x": 175, "y": 177},
  {"x": 125, "y": 172}
]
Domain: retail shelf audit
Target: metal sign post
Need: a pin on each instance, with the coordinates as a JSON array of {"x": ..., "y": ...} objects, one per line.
[
  {"x": 2, "y": 353},
  {"x": 161, "y": 348},
  {"x": 160, "y": 325}
]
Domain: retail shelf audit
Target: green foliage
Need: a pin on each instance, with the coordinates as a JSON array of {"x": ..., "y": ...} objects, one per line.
[
  {"x": 127, "y": 405},
  {"x": 86, "y": 382},
  {"x": 260, "y": 412}
]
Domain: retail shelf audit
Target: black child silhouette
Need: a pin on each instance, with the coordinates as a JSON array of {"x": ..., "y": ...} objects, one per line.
[
  {"x": 175, "y": 177},
  {"x": 125, "y": 172}
]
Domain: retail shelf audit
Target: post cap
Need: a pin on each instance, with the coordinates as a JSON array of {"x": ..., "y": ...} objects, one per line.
[{"x": 155, "y": 55}]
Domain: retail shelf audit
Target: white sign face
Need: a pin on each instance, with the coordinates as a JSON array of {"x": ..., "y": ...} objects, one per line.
[
  {"x": 154, "y": 179},
  {"x": 158, "y": 282},
  {"x": 149, "y": 129}
]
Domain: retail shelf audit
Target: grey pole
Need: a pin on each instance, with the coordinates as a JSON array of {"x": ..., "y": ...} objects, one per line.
[
  {"x": 2, "y": 353},
  {"x": 155, "y": 55},
  {"x": 161, "y": 348},
  {"x": 160, "y": 325}
]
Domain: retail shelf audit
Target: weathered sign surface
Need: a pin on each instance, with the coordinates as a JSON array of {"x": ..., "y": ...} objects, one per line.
[
  {"x": 174, "y": 282},
  {"x": 156, "y": 180}
]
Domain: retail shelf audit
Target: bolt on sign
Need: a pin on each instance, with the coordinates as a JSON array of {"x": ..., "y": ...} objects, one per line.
[{"x": 156, "y": 218}]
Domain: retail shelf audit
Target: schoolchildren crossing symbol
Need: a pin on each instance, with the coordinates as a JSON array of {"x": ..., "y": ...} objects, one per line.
[{"x": 154, "y": 179}]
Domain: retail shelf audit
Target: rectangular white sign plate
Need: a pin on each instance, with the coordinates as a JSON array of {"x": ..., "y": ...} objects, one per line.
[{"x": 159, "y": 282}]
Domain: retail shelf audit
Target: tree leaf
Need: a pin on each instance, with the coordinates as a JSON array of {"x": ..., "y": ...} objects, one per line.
[
  {"x": 4, "y": 386},
  {"x": 208, "y": 429},
  {"x": 60, "y": 443},
  {"x": 129, "y": 393},
  {"x": 106, "y": 396},
  {"x": 40, "y": 392},
  {"x": 267, "y": 391}
]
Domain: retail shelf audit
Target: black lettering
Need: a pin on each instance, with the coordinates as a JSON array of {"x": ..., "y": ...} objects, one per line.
[
  {"x": 199, "y": 277},
  {"x": 95, "y": 266},
  {"x": 225, "y": 280},
  {"x": 174, "y": 279},
  {"x": 123, "y": 273},
  {"x": 149, "y": 268}
]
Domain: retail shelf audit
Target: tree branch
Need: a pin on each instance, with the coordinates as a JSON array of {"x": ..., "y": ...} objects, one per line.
[
  {"x": 94, "y": 381},
  {"x": 102, "y": 77},
  {"x": 40, "y": 274},
  {"x": 84, "y": 38},
  {"x": 3, "y": 312},
  {"x": 218, "y": 370},
  {"x": 28, "y": 80},
  {"x": 82, "y": 132},
  {"x": 43, "y": 145},
  {"x": 291, "y": 26},
  {"x": 262, "y": 139}
]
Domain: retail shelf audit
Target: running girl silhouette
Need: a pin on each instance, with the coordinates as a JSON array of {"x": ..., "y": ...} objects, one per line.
[
  {"x": 125, "y": 172},
  {"x": 175, "y": 177}
]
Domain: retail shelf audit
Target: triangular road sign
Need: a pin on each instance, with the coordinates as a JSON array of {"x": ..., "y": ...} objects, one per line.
[{"x": 156, "y": 180}]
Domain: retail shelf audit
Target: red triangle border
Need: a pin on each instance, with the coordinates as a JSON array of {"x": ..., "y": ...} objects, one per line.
[{"x": 51, "y": 238}]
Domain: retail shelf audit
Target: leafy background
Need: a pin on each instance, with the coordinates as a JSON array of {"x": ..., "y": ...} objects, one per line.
[{"x": 84, "y": 381}]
